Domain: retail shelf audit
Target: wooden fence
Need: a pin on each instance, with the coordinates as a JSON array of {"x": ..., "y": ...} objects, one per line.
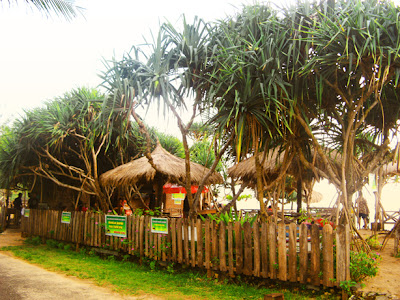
[
  {"x": 283, "y": 252},
  {"x": 3, "y": 217}
]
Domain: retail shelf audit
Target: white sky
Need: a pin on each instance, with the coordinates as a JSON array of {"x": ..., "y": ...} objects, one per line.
[{"x": 43, "y": 58}]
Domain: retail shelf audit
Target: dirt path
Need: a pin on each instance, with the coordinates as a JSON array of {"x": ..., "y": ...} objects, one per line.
[
  {"x": 20, "y": 280},
  {"x": 387, "y": 279}
]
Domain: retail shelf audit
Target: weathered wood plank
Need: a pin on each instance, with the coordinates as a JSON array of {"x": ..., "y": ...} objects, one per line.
[
  {"x": 214, "y": 245},
  {"x": 179, "y": 240},
  {"x": 207, "y": 243},
  {"x": 315, "y": 255},
  {"x": 140, "y": 223},
  {"x": 199, "y": 230},
  {"x": 282, "y": 252},
  {"x": 303, "y": 272},
  {"x": 264, "y": 250},
  {"x": 257, "y": 250},
  {"x": 193, "y": 242},
  {"x": 173, "y": 240},
  {"x": 230, "y": 249},
  {"x": 238, "y": 247},
  {"x": 292, "y": 252},
  {"x": 222, "y": 246},
  {"x": 272, "y": 250},
  {"x": 248, "y": 253},
  {"x": 327, "y": 253},
  {"x": 186, "y": 240}
]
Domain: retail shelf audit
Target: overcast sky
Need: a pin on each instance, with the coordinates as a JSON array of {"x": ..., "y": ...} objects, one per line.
[{"x": 42, "y": 58}]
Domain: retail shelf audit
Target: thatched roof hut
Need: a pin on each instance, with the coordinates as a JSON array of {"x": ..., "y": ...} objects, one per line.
[
  {"x": 246, "y": 170},
  {"x": 169, "y": 167}
]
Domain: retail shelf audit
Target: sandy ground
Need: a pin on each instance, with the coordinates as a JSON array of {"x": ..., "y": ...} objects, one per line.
[
  {"x": 20, "y": 280},
  {"x": 388, "y": 277}
]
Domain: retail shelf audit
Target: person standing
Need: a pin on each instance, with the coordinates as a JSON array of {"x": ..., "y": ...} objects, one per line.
[
  {"x": 362, "y": 211},
  {"x": 18, "y": 205}
]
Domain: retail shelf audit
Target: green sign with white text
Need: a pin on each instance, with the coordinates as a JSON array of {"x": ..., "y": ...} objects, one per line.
[
  {"x": 27, "y": 212},
  {"x": 159, "y": 225},
  {"x": 66, "y": 217},
  {"x": 116, "y": 225}
]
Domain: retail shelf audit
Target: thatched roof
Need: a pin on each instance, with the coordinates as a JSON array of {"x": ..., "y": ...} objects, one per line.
[
  {"x": 246, "y": 171},
  {"x": 391, "y": 169},
  {"x": 170, "y": 168}
]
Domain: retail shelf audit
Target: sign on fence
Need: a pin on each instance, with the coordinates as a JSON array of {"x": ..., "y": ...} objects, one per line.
[
  {"x": 159, "y": 225},
  {"x": 66, "y": 217},
  {"x": 116, "y": 225},
  {"x": 27, "y": 212}
]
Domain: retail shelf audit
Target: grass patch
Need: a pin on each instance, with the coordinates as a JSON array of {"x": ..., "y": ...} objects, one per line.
[{"x": 130, "y": 278}]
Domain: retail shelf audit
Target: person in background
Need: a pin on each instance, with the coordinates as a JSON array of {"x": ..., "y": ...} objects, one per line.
[
  {"x": 32, "y": 201},
  {"x": 18, "y": 205},
  {"x": 362, "y": 210}
]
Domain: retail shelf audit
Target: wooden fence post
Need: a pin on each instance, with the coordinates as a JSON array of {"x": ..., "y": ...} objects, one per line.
[
  {"x": 292, "y": 252},
  {"x": 327, "y": 252},
  {"x": 283, "y": 272},
  {"x": 303, "y": 253},
  {"x": 272, "y": 250}
]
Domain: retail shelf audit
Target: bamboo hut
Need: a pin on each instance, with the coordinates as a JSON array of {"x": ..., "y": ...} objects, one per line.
[
  {"x": 167, "y": 168},
  {"x": 273, "y": 164}
]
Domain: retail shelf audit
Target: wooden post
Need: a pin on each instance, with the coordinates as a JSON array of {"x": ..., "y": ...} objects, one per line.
[
  {"x": 327, "y": 252},
  {"x": 257, "y": 250},
  {"x": 173, "y": 239},
  {"x": 264, "y": 250},
  {"x": 186, "y": 240},
  {"x": 222, "y": 247},
  {"x": 282, "y": 251},
  {"x": 239, "y": 247},
  {"x": 342, "y": 254},
  {"x": 207, "y": 243},
  {"x": 248, "y": 250},
  {"x": 303, "y": 253},
  {"x": 272, "y": 250},
  {"x": 315, "y": 255},
  {"x": 230, "y": 249},
  {"x": 179, "y": 240},
  {"x": 199, "y": 229},
  {"x": 292, "y": 252},
  {"x": 193, "y": 242}
]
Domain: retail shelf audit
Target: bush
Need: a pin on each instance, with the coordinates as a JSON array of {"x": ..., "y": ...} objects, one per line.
[
  {"x": 36, "y": 241},
  {"x": 363, "y": 265}
]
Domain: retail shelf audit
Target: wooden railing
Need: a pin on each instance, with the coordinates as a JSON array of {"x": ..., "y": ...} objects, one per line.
[{"x": 284, "y": 252}]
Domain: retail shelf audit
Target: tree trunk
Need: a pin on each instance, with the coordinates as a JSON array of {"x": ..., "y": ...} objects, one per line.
[{"x": 299, "y": 192}]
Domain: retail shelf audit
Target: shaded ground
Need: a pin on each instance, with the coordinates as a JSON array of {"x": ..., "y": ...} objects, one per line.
[{"x": 387, "y": 279}]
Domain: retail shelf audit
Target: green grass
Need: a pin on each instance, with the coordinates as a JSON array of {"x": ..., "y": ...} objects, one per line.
[{"x": 130, "y": 278}]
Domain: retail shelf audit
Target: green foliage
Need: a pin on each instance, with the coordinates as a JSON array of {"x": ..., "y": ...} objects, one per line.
[
  {"x": 36, "y": 240},
  {"x": 347, "y": 285},
  {"x": 363, "y": 265},
  {"x": 231, "y": 216},
  {"x": 373, "y": 242}
]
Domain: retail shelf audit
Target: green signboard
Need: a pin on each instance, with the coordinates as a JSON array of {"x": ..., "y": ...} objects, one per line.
[
  {"x": 27, "y": 211},
  {"x": 159, "y": 225},
  {"x": 178, "y": 198},
  {"x": 66, "y": 217},
  {"x": 116, "y": 225}
]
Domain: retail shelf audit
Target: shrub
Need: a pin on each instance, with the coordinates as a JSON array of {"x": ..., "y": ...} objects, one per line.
[{"x": 363, "y": 265}]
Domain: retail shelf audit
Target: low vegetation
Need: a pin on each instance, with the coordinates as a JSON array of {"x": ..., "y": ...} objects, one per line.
[{"x": 127, "y": 277}]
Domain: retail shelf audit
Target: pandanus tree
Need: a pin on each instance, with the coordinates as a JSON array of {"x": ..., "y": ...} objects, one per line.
[
  {"x": 347, "y": 84},
  {"x": 71, "y": 143},
  {"x": 170, "y": 77}
]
